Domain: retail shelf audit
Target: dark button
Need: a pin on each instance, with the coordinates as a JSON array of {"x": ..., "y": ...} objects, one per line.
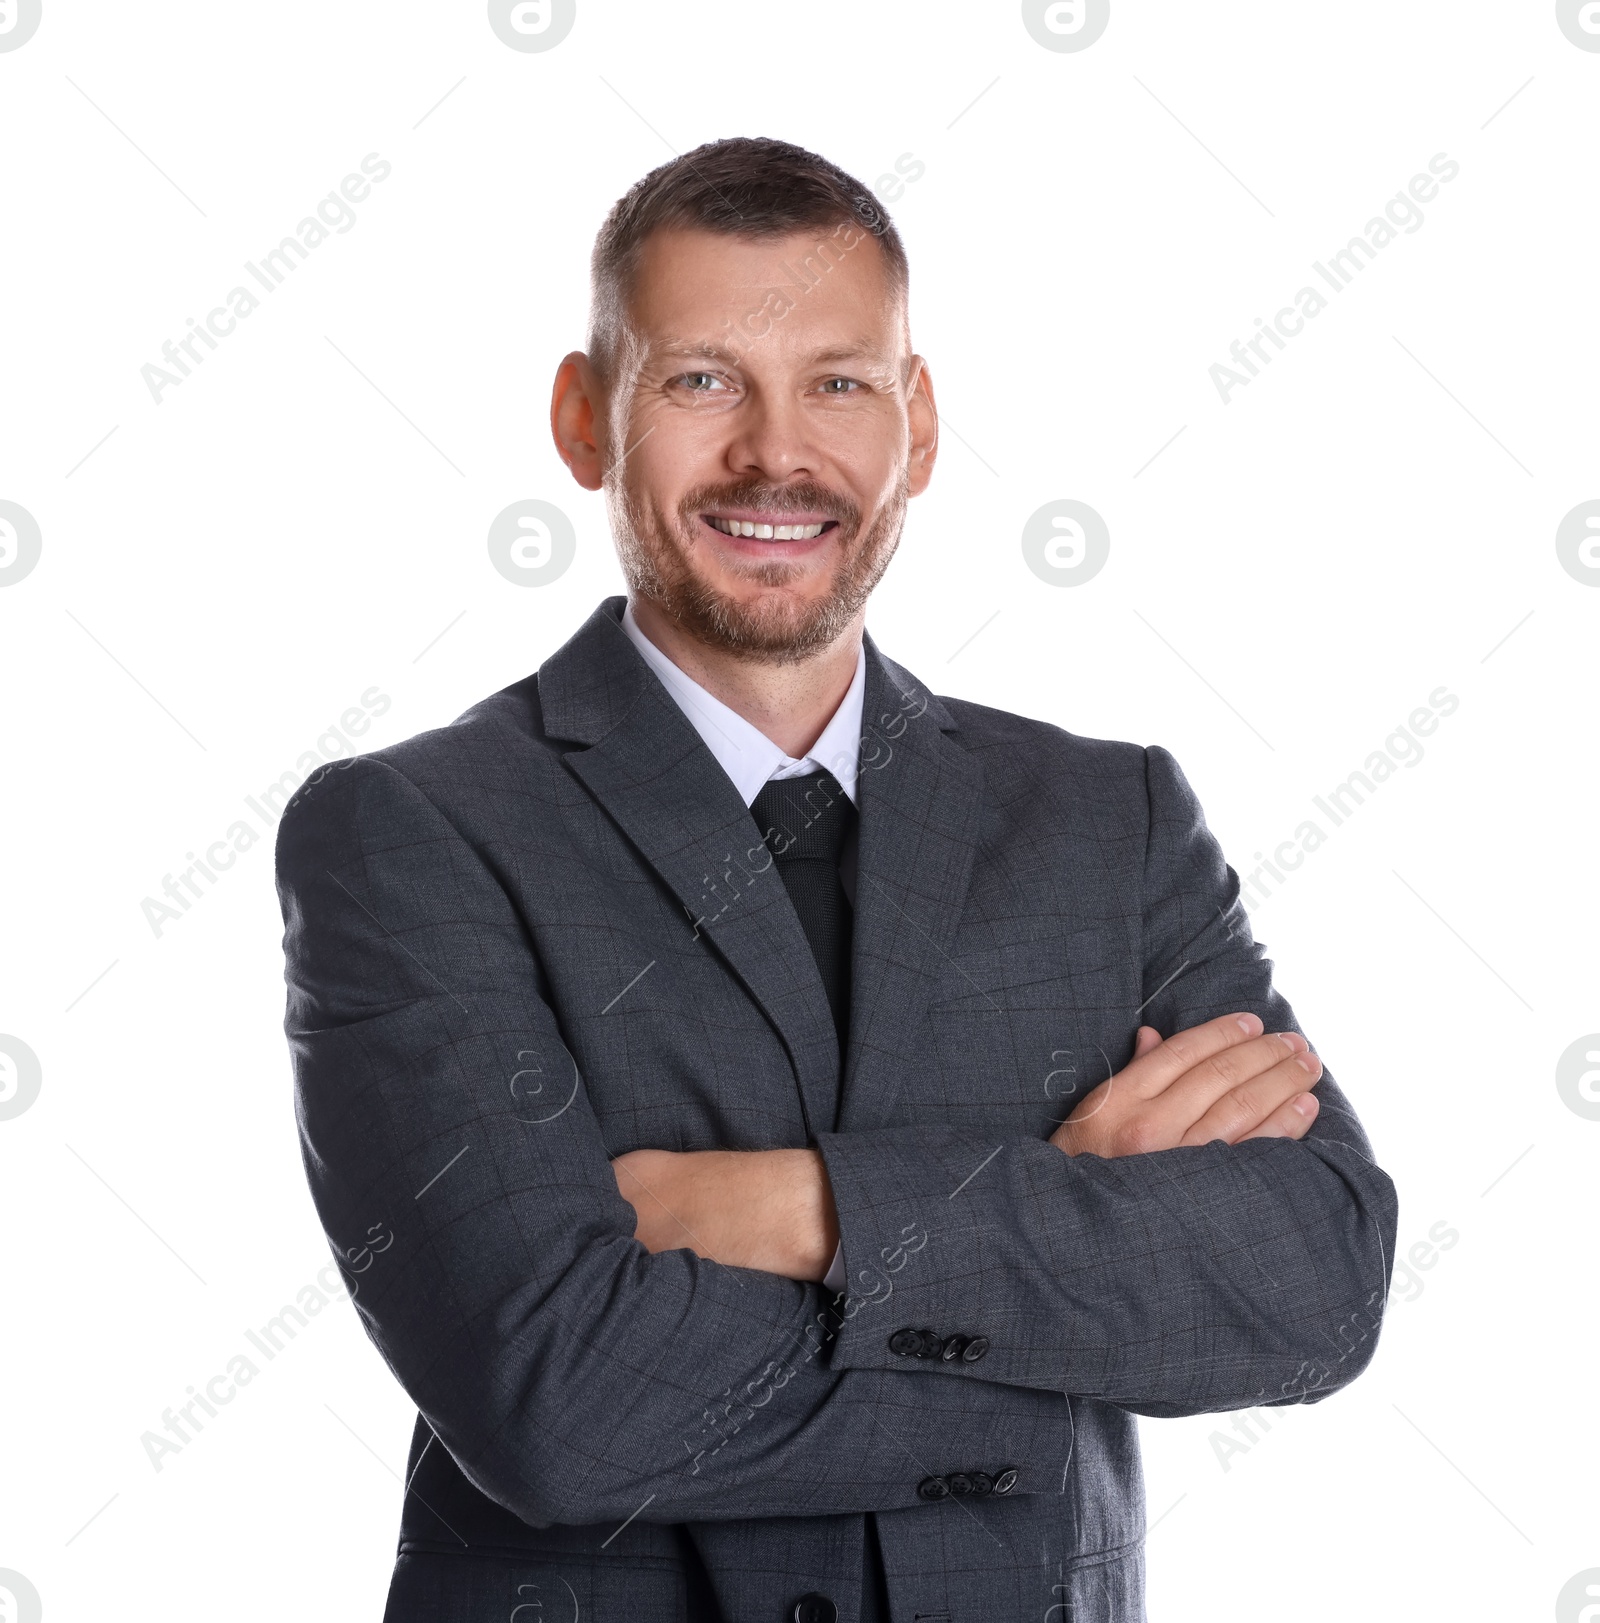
[
  {"x": 933, "y": 1487},
  {"x": 906, "y": 1343},
  {"x": 1006, "y": 1481},
  {"x": 954, "y": 1346},
  {"x": 960, "y": 1485},
  {"x": 982, "y": 1482},
  {"x": 932, "y": 1346},
  {"x": 814, "y": 1608},
  {"x": 975, "y": 1349}
]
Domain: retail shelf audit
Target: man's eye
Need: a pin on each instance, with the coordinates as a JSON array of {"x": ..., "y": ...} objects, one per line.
[
  {"x": 840, "y": 386},
  {"x": 701, "y": 382}
]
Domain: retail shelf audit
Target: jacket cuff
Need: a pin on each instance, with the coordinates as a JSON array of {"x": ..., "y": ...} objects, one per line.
[
  {"x": 921, "y": 1259},
  {"x": 833, "y": 1280}
]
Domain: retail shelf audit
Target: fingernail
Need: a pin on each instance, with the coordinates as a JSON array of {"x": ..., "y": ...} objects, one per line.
[
  {"x": 1249, "y": 1024},
  {"x": 1308, "y": 1062},
  {"x": 1293, "y": 1038},
  {"x": 1304, "y": 1105}
]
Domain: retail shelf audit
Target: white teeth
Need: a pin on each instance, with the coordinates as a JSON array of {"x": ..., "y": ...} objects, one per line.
[{"x": 765, "y": 532}]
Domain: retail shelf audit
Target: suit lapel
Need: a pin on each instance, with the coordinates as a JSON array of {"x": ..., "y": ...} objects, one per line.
[
  {"x": 652, "y": 773},
  {"x": 920, "y": 796}
]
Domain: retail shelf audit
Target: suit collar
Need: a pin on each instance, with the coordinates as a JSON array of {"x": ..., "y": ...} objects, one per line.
[
  {"x": 743, "y": 751},
  {"x": 589, "y": 684},
  {"x": 653, "y": 775},
  {"x": 919, "y": 795},
  {"x": 593, "y": 679}
]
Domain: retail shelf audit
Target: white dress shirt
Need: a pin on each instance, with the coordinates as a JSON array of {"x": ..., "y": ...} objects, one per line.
[
  {"x": 752, "y": 760},
  {"x": 742, "y": 750}
]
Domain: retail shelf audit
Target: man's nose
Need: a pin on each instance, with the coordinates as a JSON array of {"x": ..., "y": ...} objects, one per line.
[{"x": 771, "y": 441}]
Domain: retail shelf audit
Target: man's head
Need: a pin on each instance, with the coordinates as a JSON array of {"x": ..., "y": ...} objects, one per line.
[{"x": 750, "y": 367}]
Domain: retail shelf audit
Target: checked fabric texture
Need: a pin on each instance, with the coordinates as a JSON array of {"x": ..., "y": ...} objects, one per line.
[{"x": 522, "y": 944}]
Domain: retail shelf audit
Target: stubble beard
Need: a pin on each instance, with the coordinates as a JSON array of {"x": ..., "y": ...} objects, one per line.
[{"x": 779, "y": 629}]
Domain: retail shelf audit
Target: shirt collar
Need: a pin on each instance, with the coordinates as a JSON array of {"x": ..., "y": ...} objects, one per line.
[{"x": 742, "y": 750}]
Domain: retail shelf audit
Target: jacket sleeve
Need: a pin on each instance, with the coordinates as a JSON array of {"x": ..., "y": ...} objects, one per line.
[
  {"x": 1172, "y": 1283},
  {"x": 460, "y": 1176}
]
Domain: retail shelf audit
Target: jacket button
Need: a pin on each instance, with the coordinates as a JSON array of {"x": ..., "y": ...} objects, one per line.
[
  {"x": 1006, "y": 1481},
  {"x": 814, "y": 1608},
  {"x": 975, "y": 1349},
  {"x": 932, "y": 1346},
  {"x": 906, "y": 1343},
  {"x": 982, "y": 1482},
  {"x": 933, "y": 1487},
  {"x": 954, "y": 1347},
  {"x": 960, "y": 1485}
]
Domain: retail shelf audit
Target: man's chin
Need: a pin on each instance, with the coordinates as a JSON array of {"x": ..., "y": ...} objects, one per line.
[{"x": 772, "y": 625}]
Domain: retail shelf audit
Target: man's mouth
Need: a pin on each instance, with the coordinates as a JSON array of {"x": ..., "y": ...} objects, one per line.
[{"x": 768, "y": 530}]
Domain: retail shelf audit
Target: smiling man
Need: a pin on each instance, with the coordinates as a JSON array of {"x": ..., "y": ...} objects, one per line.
[{"x": 813, "y": 1116}]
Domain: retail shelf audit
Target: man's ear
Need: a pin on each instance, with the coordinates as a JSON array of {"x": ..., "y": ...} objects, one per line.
[
  {"x": 576, "y": 418},
  {"x": 924, "y": 415}
]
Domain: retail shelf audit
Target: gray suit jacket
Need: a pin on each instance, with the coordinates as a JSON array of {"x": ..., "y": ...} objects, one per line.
[{"x": 549, "y": 933}]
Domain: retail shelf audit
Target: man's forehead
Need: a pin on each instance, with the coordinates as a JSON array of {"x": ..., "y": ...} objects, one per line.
[
  {"x": 827, "y": 290},
  {"x": 757, "y": 259}
]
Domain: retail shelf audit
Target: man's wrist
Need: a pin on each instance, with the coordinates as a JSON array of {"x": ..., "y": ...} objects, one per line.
[
  {"x": 802, "y": 1230},
  {"x": 772, "y": 1210}
]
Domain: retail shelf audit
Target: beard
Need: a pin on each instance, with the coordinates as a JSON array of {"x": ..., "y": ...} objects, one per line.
[{"x": 657, "y": 551}]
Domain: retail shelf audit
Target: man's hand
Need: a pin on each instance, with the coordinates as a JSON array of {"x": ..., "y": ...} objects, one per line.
[
  {"x": 774, "y": 1210},
  {"x": 1220, "y": 1080},
  {"x": 766, "y": 1209}
]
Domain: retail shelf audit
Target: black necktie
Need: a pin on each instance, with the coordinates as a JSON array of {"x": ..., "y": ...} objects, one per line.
[{"x": 806, "y": 823}]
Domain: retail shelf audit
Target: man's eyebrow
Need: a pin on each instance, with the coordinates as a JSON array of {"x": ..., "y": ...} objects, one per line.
[
  {"x": 689, "y": 349},
  {"x": 849, "y": 352},
  {"x": 707, "y": 350}
]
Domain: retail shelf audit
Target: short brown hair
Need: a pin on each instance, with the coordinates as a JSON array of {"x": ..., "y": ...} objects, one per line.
[{"x": 747, "y": 186}]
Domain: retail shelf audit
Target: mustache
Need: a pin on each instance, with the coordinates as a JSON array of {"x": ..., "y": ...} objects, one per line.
[{"x": 808, "y": 497}]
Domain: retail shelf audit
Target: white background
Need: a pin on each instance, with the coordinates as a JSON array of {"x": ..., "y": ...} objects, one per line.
[{"x": 1372, "y": 517}]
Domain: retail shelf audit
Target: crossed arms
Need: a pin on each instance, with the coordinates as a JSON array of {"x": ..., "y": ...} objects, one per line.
[
  {"x": 567, "y": 1367},
  {"x": 773, "y": 1209}
]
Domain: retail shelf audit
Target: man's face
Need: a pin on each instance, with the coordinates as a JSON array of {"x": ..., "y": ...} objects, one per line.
[{"x": 765, "y": 427}]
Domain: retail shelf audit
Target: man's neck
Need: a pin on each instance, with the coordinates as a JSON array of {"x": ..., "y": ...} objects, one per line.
[{"x": 790, "y": 704}]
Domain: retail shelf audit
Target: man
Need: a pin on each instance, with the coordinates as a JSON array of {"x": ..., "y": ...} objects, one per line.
[{"x": 809, "y": 1117}]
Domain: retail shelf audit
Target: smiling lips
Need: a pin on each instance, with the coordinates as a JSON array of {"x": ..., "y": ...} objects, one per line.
[{"x": 760, "y": 531}]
